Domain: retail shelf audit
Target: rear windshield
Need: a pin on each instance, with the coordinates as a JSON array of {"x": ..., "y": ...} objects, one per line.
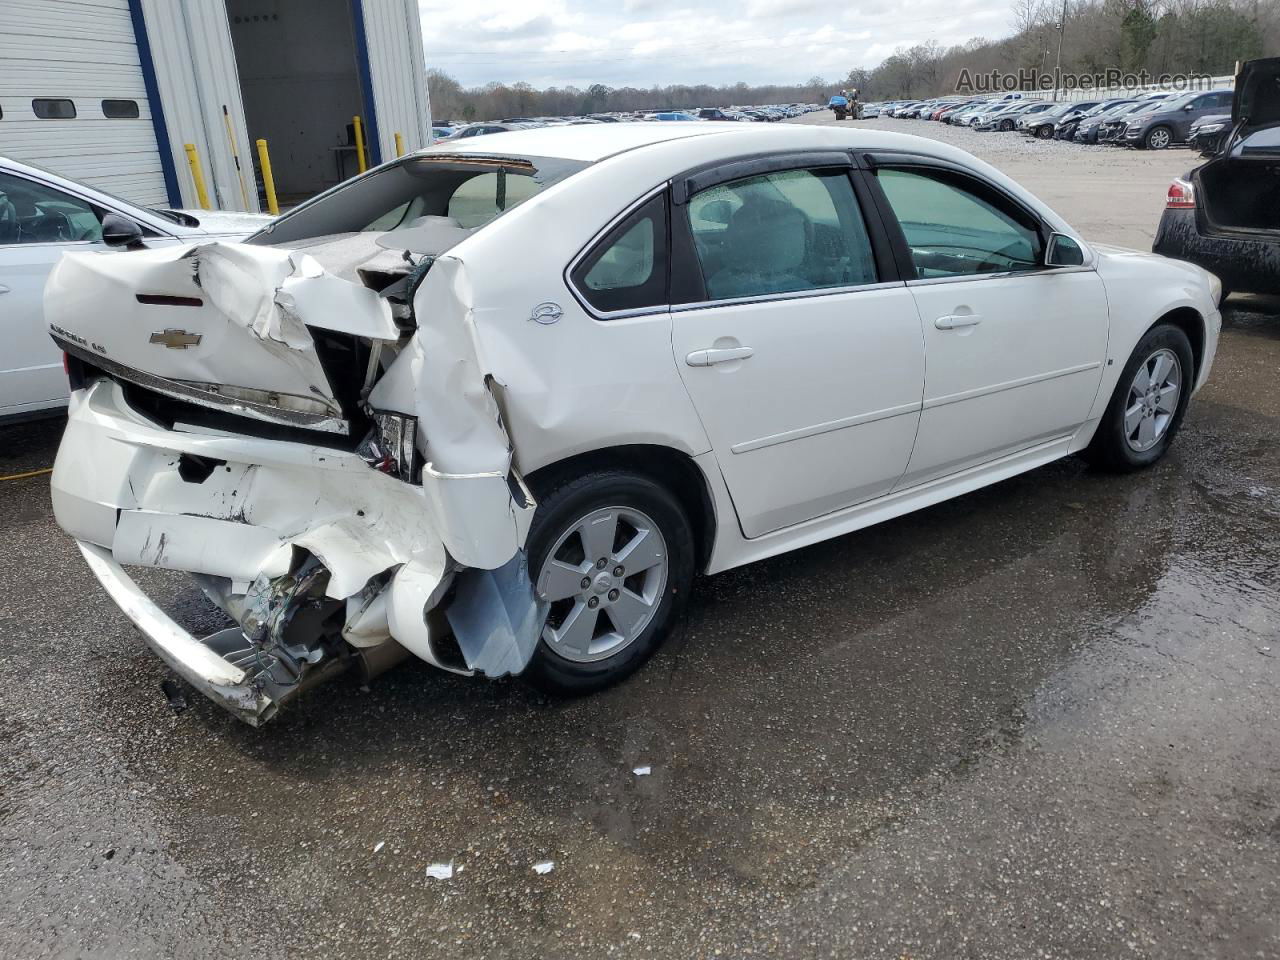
[{"x": 469, "y": 191}]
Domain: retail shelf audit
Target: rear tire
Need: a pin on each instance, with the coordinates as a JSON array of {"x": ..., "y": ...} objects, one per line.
[
  {"x": 1143, "y": 416},
  {"x": 597, "y": 635}
]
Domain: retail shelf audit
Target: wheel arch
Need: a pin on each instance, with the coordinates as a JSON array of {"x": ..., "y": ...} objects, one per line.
[
  {"x": 671, "y": 468},
  {"x": 1190, "y": 322}
]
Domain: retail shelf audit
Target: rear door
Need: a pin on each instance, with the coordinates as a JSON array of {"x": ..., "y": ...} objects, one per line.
[
  {"x": 801, "y": 351},
  {"x": 1013, "y": 351}
]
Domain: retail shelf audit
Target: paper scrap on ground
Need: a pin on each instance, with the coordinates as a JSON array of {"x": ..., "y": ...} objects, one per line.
[
  {"x": 546, "y": 866},
  {"x": 379, "y": 845},
  {"x": 641, "y": 771},
  {"x": 440, "y": 871}
]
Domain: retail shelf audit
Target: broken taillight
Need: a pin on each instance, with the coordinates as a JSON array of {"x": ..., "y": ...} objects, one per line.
[
  {"x": 1182, "y": 195},
  {"x": 391, "y": 446}
]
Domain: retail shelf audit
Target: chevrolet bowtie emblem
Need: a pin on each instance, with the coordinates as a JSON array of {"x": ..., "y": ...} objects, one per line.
[{"x": 176, "y": 339}]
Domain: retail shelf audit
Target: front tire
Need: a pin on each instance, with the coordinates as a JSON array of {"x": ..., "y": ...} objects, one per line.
[
  {"x": 613, "y": 554},
  {"x": 1149, "y": 402},
  {"x": 1158, "y": 138}
]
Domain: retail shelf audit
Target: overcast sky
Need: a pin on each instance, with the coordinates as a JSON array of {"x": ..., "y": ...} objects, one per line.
[{"x": 646, "y": 42}]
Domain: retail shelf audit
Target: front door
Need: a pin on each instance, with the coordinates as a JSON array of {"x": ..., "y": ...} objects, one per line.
[
  {"x": 806, "y": 369},
  {"x": 1014, "y": 351},
  {"x": 37, "y": 225}
]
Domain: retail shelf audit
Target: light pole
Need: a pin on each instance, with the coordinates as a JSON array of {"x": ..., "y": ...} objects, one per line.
[{"x": 1062, "y": 32}]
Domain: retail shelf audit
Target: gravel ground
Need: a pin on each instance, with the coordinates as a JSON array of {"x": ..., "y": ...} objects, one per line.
[{"x": 1036, "y": 721}]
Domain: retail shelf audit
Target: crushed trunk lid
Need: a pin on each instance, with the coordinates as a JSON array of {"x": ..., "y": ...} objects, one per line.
[{"x": 223, "y": 325}]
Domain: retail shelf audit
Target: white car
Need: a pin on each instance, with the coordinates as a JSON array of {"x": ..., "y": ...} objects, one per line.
[
  {"x": 42, "y": 216},
  {"x": 495, "y": 405}
]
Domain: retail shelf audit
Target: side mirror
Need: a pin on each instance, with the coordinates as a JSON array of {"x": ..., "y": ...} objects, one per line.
[
  {"x": 120, "y": 231},
  {"x": 1063, "y": 251},
  {"x": 717, "y": 211},
  {"x": 1188, "y": 107}
]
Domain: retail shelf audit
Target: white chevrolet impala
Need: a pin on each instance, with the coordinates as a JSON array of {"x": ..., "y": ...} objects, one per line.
[{"x": 496, "y": 403}]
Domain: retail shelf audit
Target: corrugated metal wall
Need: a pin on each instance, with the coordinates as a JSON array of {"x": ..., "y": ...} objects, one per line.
[
  {"x": 397, "y": 68},
  {"x": 84, "y": 51},
  {"x": 196, "y": 69}
]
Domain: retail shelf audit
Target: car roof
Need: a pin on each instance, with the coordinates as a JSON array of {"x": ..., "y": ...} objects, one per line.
[
  {"x": 586, "y": 143},
  {"x": 681, "y": 143}
]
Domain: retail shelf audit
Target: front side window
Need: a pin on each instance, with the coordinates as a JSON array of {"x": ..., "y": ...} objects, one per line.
[
  {"x": 780, "y": 233},
  {"x": 30, "y": 212},
  {"x": 955, "y": 228},
  {"x": 627, "y": 270}
]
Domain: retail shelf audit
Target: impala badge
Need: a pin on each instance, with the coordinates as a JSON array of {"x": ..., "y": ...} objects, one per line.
[
  {"x": 546, "y": 313},
  {"x": 176, "y": 339}
]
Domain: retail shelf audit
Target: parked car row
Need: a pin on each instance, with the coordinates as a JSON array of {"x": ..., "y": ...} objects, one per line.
[
  {"x": 1154, "y": 120},
  {"x": 758, "y": 114}
]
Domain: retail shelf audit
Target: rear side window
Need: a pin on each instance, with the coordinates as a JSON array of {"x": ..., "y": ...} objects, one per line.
[
  {"x": 780, "y": 233},
  {"x": 627, "y": 269},
  {"x": 120, "y": 109},
  {"x": 51, "y": 109}
]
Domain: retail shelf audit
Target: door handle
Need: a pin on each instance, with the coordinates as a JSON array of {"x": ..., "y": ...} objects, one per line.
[
  {"x": 957, "y": 320},
  {"x": 705, "y": 358}
]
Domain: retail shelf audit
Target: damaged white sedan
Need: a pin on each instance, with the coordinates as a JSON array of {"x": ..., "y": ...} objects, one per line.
[{"x": 496, "y": 403}]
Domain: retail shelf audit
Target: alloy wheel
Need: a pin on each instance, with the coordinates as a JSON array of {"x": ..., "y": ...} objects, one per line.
[
  {"x": 1159, "y": 138},
  {"x": 1153, "y": 400},
  {"x": 604, "y": 578}
]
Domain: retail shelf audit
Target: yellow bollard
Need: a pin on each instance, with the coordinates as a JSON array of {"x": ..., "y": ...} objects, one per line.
[
  {"x": 268, "y": 181},
  {"x": 197, "y": 176},
  {"x": 399, "y": 145},
  {"x": 361, "y": 164}
]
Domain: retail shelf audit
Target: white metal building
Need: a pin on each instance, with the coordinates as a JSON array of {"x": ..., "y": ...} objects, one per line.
[{"x": 110, "y": 91}]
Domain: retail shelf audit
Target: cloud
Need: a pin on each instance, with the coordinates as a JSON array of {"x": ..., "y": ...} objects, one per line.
[
  {"x": 660, "y": 42},
  {"x": 502, "y": 28},
  {"x": 787, "y": 8}
]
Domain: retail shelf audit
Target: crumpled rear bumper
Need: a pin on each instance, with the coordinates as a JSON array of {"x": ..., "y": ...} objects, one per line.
[
  {"x": 214, "y": 676},
  {"x": 240, "y": 512}
]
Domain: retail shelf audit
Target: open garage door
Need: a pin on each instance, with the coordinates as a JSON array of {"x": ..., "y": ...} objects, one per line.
[
  {"x": 307, "y": 67},
  {"x": 73, "y": 98},
  {"x": 301, "y": 86}
]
